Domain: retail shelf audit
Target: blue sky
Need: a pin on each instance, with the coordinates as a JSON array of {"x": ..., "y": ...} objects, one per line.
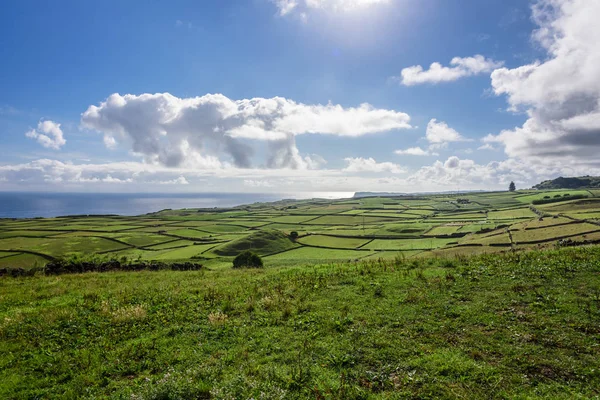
[{"x": 503, "y": 104}]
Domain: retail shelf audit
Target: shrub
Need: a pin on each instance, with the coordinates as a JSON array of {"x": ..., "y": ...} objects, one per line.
[
  {"x": 247, "y": 259},
  {"x": 293, "y": 235}
]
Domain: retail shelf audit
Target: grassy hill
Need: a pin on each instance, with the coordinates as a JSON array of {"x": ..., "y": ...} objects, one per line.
[
  {"x": 570, "y": 183},
  {"x": 523, "y": 325},
  {"x": 263, "y": 242}
]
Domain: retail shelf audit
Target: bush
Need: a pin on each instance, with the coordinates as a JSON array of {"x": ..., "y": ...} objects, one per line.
[
  {"x": 76, "y": 265},
  {"x": 293, "y": 235},
  {"x": 247, "y": 259}
]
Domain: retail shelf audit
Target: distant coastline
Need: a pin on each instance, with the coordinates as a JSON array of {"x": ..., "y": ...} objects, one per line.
[{"x": 39, "y": 204}]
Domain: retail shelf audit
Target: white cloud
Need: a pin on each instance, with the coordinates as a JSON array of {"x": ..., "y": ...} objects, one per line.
[
  {"x": 48, "y": 134},
  {"x": 415, "y": 151},
  {"x": 437, "y": 73},
  {"x": 561, "y": 95},
  {"x": 360, "y": 175},
  {"x": 109, "y": 142},
  {"x": 361, "y": 164},
  {"x": 467, "y": 174},
  {"x": 179, "y": 132},
  {"x": 254, "y": 183},
  {"x": 486, "y": 146},
  {"x": 286, "y": 7},
  {"x": 439, "y": 133},
  {"x": 178, "y": 181}
]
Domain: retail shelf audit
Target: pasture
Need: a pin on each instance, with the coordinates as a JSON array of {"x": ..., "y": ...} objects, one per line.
[
  {"x": 499, "y": 326},
  {"x": 328, "y": 230}
]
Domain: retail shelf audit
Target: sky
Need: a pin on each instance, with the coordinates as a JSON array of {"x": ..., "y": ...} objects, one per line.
[{"x": 297, "y": 96}]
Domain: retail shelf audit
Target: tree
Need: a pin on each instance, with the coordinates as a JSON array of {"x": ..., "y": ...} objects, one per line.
[
  {"x": 293, "y": 235},
  {"x": 247, "y": 259},
  {"x": 512, "y": 187}
]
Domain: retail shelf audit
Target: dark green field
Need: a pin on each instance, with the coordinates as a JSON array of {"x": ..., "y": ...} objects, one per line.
[
  {"x": 518, "y": 326},
  {"x": 341, "y": 230}
]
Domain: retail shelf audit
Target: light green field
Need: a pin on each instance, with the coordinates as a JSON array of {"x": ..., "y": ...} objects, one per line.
[
  {"x": 317, "y": 255},
  {"x": 540, "y": 195},
  {"x": 513, "y": 213},
  {"x": 333, "y": 242},
  {"x": 552, "y": 232},
  {"x": 189, "y": 233},
  {"x": 573, "y": 206},
  {"x": 408, "y": 244},
  {"x": 472, "y": 228},
  {"x": 584, "y": 215},
  {"x": 380, "y": 225},
  {"x": 444, "y": 230},
  {"x": 501, "y": 238},
  {"x": 184, "y": 252}
]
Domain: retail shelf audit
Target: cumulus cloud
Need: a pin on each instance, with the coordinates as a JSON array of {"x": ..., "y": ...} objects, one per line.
[
  {"x": 257, "y": 183},
  {"x": 109, "y": 142},
  {"x": 178, "y": 181},
  {"x": 437, "y": 73},
  {"x": 360, "y": 164},
  {"x": 48, "y": 134},
  {"x": 486, "y": 146},
  {"x": 467, "y": 174},
  {"x": 415, "y": 151},
  {"x": 286, "y": 7},
  {"x": 561, "y": 95},
  {"x": 439, "y": 133},
  {"x": 175, "y": 132},
  {"x": 361, "y": 174}
]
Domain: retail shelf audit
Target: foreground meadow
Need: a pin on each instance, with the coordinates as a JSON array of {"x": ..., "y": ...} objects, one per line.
[{"x": 523, "y": 325}]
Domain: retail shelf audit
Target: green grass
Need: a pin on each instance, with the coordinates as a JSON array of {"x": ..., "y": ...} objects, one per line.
[
  {"x": 584, "y": 215},
  {"x": 475, "y": 227},
  {"x": 335, "y": 242},
  {"x": 444, "y": 230},
  {"x": 512, "y": 213},
  {"x": 348, "y": 220},
  {"x": 550, "y": 232},
  {"x": 487, "y": 240},
  {"x": 408, "y": 244},
  {"x": 551, "y": 193},
  {"x": 170, "y": 244},
  {"x": 521, "y": 326},
  {"x": 405, "y": 229},
  {"x": 19, "y": 260},
  {"x": 573, "y": 206},
  {"x": 141, "y": 239},
  {"x": 260, "y": 242},
  {"x": 310, "y": 255},
  {"x": 184, "y": 252},
  {"x": 189, "y": 233},
  {"x": 60, "y": 246},
  {"x": 427, "y": 218}
]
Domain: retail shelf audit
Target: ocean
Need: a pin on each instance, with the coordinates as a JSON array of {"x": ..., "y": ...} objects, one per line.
[{"x": 31, "y": 205}]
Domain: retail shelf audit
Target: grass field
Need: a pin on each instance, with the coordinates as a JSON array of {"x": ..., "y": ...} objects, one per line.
[
  {"x": 518, "y": 326},
  {"x": 381, "y": 225}
]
